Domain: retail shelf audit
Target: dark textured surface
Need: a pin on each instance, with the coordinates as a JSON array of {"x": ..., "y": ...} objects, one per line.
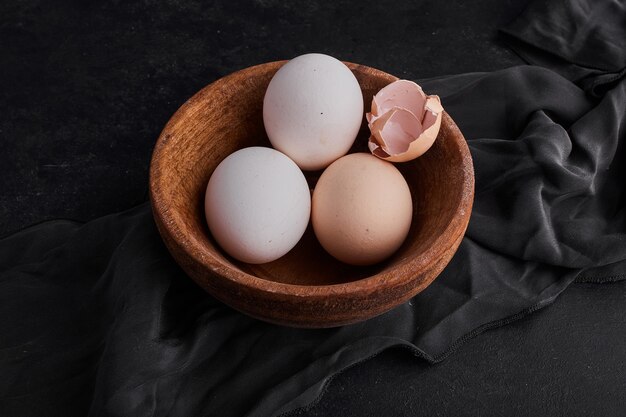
[
  {"x": 86, "y": 88},
  {"x": 567, "y": 360}
]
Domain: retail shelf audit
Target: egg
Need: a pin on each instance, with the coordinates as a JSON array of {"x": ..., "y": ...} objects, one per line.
[
  {"x": 312, "y": 110},
  {"x": 257, "y": 204},
  {"x": 361, "y": 209}
]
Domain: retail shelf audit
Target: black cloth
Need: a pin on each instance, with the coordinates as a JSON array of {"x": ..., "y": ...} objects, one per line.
[
  {"x": 581, "y": 39},
  {"x": 100, "y": 313}
]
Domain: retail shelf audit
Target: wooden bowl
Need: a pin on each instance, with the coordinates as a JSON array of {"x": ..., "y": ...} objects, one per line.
[{"x": 306, "y": 287}]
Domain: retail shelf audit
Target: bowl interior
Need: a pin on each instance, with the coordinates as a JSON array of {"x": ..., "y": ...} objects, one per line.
[{"x": 227, "y": 116}]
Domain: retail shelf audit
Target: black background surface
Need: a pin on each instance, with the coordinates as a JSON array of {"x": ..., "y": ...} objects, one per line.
[{"x": 86, "y": 87}]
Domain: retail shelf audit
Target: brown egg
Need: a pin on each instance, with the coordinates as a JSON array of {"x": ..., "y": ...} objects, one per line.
[{"x": 361, "y": 209}]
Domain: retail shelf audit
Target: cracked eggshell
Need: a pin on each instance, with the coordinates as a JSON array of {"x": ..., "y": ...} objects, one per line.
[
  {"x": 404, "y": 121},
  {"x": 312, "y": 110}
]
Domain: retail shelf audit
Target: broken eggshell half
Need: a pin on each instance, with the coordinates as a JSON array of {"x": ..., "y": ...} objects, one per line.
[{"x": 404, "y": 121}]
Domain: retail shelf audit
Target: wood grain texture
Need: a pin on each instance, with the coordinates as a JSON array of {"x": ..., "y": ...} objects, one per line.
[{"x": 306, "y": 287}]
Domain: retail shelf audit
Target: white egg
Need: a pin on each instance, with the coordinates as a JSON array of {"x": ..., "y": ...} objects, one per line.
[
  {"x": 257, "y": 204},
  {"x": 312, "y": 110}
]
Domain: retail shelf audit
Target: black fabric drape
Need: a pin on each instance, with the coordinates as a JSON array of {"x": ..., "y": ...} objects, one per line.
[
  {"x": 99, "y": 313},
  {"x": 583, "y": 40}
]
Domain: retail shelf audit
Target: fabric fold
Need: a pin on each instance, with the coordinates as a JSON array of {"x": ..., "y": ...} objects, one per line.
[{"x": 581, "y": 39}]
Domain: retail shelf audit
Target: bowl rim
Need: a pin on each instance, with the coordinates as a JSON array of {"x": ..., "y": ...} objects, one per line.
[{"x": 361, "y": 287}]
